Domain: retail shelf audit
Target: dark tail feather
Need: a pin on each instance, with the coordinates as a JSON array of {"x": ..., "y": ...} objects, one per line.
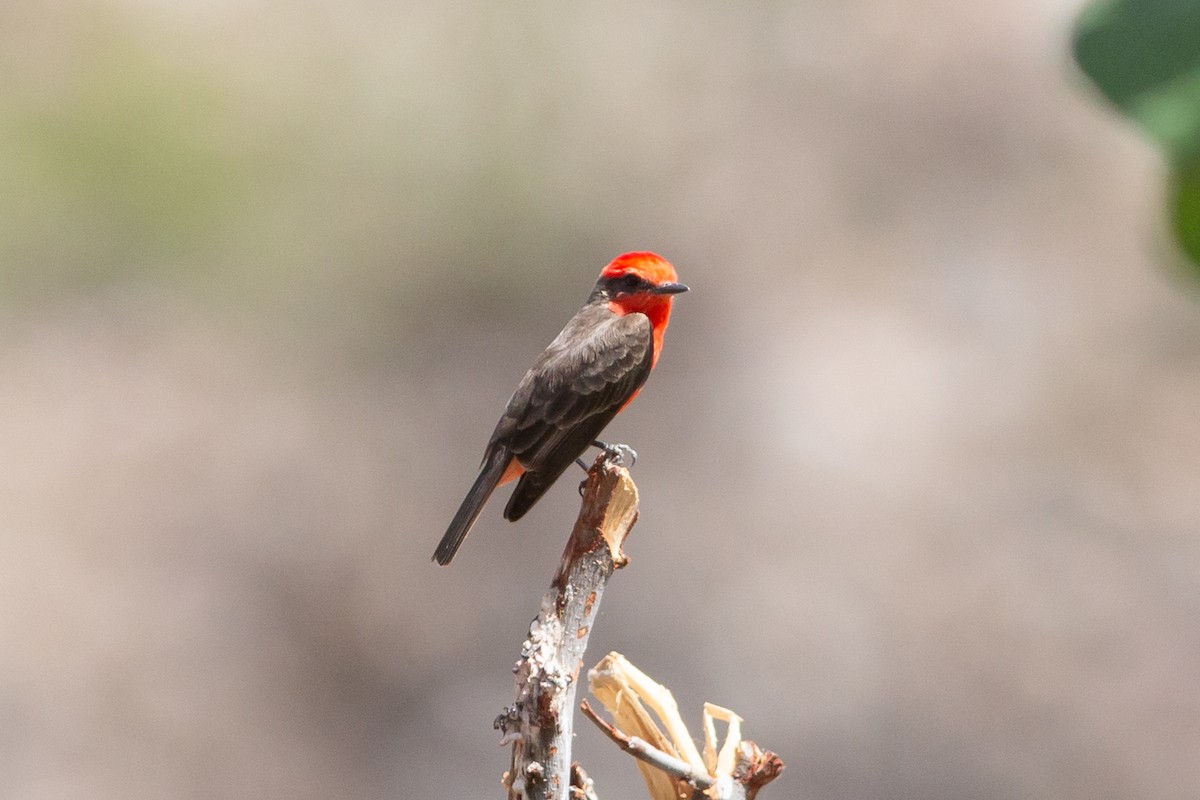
[
  {"x": 472, "y": 504},
  {"x": 529, "y": 490}
]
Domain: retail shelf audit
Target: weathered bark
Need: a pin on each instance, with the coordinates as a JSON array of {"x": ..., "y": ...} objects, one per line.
[{"x": 539, "y": 723}]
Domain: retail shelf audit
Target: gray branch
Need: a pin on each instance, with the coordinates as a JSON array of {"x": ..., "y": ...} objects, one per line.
[{"x": 539, "y": 723}]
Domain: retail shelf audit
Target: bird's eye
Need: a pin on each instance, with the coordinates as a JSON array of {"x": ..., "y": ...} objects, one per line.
[{"x": 631, "y": 282}]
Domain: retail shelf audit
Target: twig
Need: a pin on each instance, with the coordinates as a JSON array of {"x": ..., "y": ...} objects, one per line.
[
  {"x": 539, "y": 723},
  {"x": 581, "y": 785},
  {"x": 644, "y": 751}
]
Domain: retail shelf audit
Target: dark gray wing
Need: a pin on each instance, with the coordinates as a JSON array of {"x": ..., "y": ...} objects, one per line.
[{"x": 587, "y": 374}]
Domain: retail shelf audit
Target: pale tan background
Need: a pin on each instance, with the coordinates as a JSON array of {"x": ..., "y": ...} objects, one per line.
[{"x": 919, "y": 467}]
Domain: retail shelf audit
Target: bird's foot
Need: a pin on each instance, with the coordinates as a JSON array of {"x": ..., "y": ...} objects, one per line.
[
  {"x": 583, "y": 466},
  {"x": 621, "y": 453}
]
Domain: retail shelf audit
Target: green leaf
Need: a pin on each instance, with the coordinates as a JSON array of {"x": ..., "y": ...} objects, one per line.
[
  {"x": 1185, "y": 210},
  {"x": 1144, "y": 55}
]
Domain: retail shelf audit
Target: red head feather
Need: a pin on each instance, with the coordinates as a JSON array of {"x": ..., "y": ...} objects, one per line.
[
  {"x": 650, "y": 266},
  {"x": 657, "y": 272}
]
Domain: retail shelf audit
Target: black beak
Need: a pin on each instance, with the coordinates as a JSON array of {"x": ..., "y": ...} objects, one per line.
[{"x": 670, "y": 288}]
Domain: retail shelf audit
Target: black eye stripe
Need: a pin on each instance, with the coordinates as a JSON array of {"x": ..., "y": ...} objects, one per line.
[
  {"x": 625, "y": 284},
  {"x": 628, "y": 283}
]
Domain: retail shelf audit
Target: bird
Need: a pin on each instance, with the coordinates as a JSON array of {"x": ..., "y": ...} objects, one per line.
[{"x": 592, "y": 370}]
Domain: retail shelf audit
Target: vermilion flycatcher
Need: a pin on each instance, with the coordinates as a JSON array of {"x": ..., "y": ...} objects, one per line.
[{"x": 591, "y": 371}]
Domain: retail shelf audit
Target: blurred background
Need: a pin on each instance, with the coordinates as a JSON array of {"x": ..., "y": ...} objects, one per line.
[{"x": 918, "y": 469}]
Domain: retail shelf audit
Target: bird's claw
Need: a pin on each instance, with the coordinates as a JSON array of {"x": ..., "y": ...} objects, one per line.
[
  {"x": 583, "y": 466},
  {"x": 621, "y": 453}
]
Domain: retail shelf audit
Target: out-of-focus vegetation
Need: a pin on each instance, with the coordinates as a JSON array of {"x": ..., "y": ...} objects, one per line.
[
  {"x": 1145, "y": 56},
  {"x": 118, "y": 163}
]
